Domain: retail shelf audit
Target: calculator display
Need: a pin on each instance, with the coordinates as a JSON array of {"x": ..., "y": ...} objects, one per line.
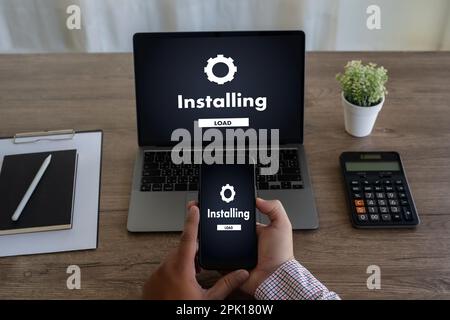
[{"x": 373, "y": 166}]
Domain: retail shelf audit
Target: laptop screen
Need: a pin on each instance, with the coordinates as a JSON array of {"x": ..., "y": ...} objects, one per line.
[{"x": 219, "y": 79}]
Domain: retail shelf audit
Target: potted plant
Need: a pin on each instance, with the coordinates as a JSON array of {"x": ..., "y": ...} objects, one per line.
[{"x": 363, "y": 94}]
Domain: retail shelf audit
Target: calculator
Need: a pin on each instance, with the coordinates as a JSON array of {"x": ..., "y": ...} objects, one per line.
[{"x": 377, "y": 190}]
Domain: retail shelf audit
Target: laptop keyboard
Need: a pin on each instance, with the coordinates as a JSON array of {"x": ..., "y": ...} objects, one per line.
[{"x": 160, "y": 174}]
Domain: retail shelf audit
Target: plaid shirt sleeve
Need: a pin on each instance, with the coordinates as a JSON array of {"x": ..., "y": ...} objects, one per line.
[{"x": 292, "y": 281}]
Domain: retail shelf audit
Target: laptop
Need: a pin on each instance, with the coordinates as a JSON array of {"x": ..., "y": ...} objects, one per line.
[{"x": 248, "y": 80}]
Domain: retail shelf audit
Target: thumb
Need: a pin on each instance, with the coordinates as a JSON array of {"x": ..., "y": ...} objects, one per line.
[{"x": 227, "y": 284}]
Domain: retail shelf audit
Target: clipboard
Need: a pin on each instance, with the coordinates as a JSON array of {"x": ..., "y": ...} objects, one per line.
[{"x": 84, "y": 232}]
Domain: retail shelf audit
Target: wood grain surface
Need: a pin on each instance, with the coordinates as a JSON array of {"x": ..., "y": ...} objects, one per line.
[{"x": 96, "y": 91}]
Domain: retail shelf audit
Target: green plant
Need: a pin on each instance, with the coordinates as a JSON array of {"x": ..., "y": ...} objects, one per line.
[{"x": 363, "y": 85}]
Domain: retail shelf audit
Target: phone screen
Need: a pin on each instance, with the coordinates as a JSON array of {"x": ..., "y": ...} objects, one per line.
[{"x": 227, "y": 235}]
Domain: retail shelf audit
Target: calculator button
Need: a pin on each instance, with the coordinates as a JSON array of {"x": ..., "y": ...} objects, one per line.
[
  {"x": 391, "y": 195},
  {"x": 372, "y": 209},
  {"x": 369, "y": 195},
  {"x": 382, "y": 203},
  {"x": 386, "y": 217},
  {"x": 402, "y": 195},
  {"x": 367, "y": 188},
  {"x": 366, "y": 182},
  {"x": 398, "y": 182},
  {"x": 401, "y": 188},
  {"x": 396, "y": 217},
  {"x": 363, "y": 217},
  {"x": 360, "y": 210},
  {"x": 359, "y": 203},
  {"x": 384, "y": 210},
  {"x": 380, "y": 195},
  {"x": 393, "y": 202},
  {"x": 389, "y": 188},
  {"x": 354, "y": 182},
  {"x": 357, "y": 195},
  {"x": 395, "y": 209},
  {"x": 377, "y": 182},
  {"x": 387, "y": 182},
  {"x": 374, "y": 217},
  {"x": 378, "y": 188},
  {"x": 355, "y": 189},
  {"x": 371, "y": 202},
  {"x": 404, "y": 202},
  {"x": 407, "y": 214}
]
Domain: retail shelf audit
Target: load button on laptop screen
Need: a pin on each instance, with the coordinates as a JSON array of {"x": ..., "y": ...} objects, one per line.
[{"x": 223, "y": 122}]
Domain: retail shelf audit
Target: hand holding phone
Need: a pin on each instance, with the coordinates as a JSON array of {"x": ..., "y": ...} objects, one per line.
[
  {"x": 275, "y": 245},
  {"x": 175, "y": 278}
]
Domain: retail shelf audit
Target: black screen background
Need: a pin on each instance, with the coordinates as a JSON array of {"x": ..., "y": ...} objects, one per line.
[
  {"x": 270, "y": 64},
  {"x": 227, "y": 249}
]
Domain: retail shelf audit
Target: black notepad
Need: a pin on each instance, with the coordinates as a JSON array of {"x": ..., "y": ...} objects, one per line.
[{"x": 51, "y": 204}]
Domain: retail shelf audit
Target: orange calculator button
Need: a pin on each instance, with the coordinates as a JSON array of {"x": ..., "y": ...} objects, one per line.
[
  {"x": 359, "y": 203},
  {"x": 360, "y": 210}
]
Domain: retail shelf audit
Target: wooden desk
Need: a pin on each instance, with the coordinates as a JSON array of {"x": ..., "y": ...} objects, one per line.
[{"x": 92, "y": 91}]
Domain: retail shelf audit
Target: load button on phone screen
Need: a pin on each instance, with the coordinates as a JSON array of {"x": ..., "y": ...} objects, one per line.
[{"x": 228, "y": 227}]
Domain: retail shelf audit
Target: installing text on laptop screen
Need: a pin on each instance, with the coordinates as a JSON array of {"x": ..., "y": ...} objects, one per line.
[{"x": 220, "y": 82}]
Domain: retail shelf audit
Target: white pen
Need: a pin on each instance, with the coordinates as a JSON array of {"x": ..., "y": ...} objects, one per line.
[{"x": 31, "y": 189}]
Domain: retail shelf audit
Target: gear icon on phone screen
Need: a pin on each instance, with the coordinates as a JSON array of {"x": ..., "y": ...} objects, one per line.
[{"x": 232, "y": 193}]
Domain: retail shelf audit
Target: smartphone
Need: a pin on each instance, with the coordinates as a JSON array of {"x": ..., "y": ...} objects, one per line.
[{"x": 227, "y": 232}]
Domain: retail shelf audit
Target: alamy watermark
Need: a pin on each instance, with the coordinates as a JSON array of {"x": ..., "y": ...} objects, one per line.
[
  {"x": 73, "y": 282},
  {"x": 238, "y": 146},
  {"x": 374, "y": 280},
  {"x": 73, "y": 21},
  {"x": 373, "y": 21}
]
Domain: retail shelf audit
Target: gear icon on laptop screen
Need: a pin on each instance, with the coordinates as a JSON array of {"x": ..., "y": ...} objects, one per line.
[
  {"x": 232, "y": 193},
  {"x": 232, "y": 69}
]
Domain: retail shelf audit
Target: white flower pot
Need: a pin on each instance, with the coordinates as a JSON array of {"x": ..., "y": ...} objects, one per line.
[{"x": 359, "y": 121}]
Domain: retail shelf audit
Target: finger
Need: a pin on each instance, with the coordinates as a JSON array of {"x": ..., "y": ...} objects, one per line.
[
  {"x": 273, "y": 209},
  {"x": 188, "y": 241},
  {"x": 227, "y": 284},
  {"x": 259, "y": 228},
  {"x": 192, "y": 203},
  {"x": 198, "y": 269}
]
